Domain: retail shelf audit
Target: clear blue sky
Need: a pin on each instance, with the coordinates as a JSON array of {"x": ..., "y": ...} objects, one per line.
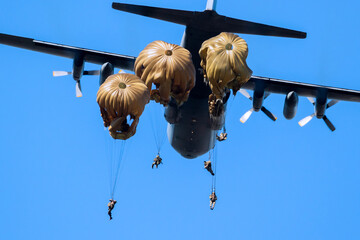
[{"x": 275, "y": 180}]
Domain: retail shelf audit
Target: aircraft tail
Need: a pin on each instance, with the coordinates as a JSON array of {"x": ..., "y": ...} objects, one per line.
[
  {"x": 169, "y": 15},
  {"x": 208, "y": 20}
]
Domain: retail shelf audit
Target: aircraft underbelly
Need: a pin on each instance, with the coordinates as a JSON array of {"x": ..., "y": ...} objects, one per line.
[{"x": 192, "y": 136}]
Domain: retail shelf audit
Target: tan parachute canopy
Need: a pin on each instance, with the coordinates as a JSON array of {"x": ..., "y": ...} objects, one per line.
[
  {"x": 223, "y": 59},
  {"x": 122, "y": 95},
  {"x": 170, "y": 68}
]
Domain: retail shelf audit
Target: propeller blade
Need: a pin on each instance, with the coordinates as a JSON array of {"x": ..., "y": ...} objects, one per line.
[
  {"x": 61, "y": 73},
  {"x": 78, "y": 90},
  {"x": 312, "y": 100},
  {"x": 268, "y": 113},
  {"x": 305, "y": 120},
  {"x": 328, "y": 123},
  {"x": 331, "y": 103},
  {"x": 246, "y": 116},
  {"x": 245, "y": 93},
  {"x": 94, "y": 72}
]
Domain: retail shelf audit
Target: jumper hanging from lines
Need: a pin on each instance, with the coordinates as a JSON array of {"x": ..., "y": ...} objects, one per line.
[
  {"x": 157, "y": 161},
  {"x": 116, "y": 149},
  {"x": 111, "y": 206},
  {"x": 222, "y": 136},
  {"x": 115, "y": 156},
  {"x": 207, "y": 165},
  {"x": 213, "y": 197},
  {"x": 159, "y": 130}
]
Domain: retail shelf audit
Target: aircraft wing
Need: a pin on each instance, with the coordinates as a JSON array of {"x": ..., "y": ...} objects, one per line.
[
  {"x": 91, "y": 56},
  {"x": 272, "y": 85}
]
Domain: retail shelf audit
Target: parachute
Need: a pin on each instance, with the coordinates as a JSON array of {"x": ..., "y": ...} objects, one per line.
[
  {"x": 169, "y": 67},
  {"x": 223, "y": 59},
  {"x": 122, "y": 98}
]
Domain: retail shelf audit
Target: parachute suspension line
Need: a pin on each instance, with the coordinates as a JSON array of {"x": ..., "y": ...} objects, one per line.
[
  {"x": 212, "y": 178},
  {"x": 117, "y": 162},
  {"x": 115, "y": 152},
  {"x": 232, "y": 102},
  {"x": 213, "y": 159},
  {"x": 112, "y": 146},
  {"x": 215, "y": 165},
  {"x": 109, "y": 156},
  {"x": 114, "y": 161},
  {"x": 158, "y": 125}
]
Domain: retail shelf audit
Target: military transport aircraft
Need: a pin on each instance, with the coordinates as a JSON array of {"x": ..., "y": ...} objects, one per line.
[{"x": 191, "y": 132}]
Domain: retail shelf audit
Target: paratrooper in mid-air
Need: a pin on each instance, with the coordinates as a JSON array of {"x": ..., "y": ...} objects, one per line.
[
  {"x": 221, "y": 137},
  {"x": 213, "y": 199},
  {"x": 157, "y": 161},
  {"x": 111, "y": 206},
  {"x": 207, "y": 166}
]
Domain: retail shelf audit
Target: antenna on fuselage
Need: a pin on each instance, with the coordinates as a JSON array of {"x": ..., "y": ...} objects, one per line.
[{"x": 211, "y": 5}]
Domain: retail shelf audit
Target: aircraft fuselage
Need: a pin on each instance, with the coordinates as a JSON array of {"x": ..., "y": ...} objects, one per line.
[{"x": 189, "y": 130}]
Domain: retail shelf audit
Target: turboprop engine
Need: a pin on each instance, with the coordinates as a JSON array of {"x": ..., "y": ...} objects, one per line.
[
  {"x": 77, "y": 73},
  {"x": 320, "y": 106}
]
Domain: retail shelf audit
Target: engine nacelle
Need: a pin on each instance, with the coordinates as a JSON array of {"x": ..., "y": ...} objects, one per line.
[
  {"x": 290, "y": 105},
  {"x": 106, "y": 70},
  {"x": 78, "y": 68},
  {"x": 258, "y": 99},
  {"x": 320, "y": 104}
]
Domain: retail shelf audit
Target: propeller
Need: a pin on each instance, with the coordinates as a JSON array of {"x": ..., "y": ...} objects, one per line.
[
  {"x": 307, "y": 119},
  {"x": 77, "y": 86},
  {"x": 61, "y": 73},
  {"x": 246, "y": 116},
  {"x": 78, "y": 89}
]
